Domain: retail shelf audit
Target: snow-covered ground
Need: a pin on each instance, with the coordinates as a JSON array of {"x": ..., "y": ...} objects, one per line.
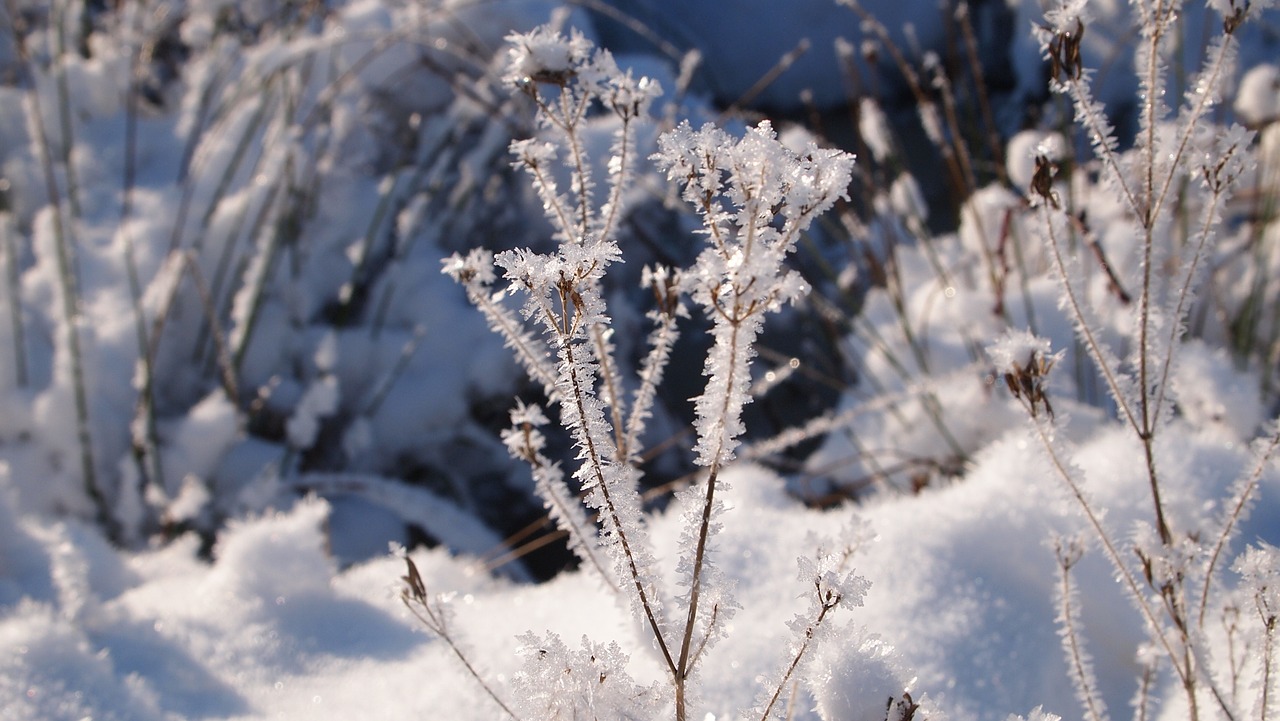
[
  {"x": 234, "y": 382},
  {"x": 961, "y": 605}
]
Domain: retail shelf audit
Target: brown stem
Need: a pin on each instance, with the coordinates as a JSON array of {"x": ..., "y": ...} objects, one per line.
[{"x": 596, "y": 465}]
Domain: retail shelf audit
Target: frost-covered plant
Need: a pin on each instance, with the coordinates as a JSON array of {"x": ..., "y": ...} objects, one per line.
[
  {"x": 1171, "y": 192},
  {"x": 1122, "y": 275},
  {"x": 755, "y": 197},
  {"x": 909, "y": 285}
]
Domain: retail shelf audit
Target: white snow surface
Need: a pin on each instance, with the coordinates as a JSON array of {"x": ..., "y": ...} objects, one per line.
[{"x": 960, "y": 609}]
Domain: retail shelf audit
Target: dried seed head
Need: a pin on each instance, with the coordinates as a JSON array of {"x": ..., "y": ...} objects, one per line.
[{"x": 1064, "y": 52}]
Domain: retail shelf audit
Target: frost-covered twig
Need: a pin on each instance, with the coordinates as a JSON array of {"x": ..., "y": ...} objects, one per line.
[
  {"x": 13, "y": 298},
  {"x": 475, "y": 273},
  {"x": 1259, "y": 568},
  {"x": 68, "y": 277},
  {"x": 665, "y": 284},
  {"x": 591, "y": 684},
  {"x": 1078, "y": 659},
  {"x": 925, "y": 106},
  {"x": 833, "y": 587},
  {"x": 67, "y": 141},
  {"x": 1244, "y": 492},
  {"x": 1178, "y": 154},
  {"x": 1219, "y": 172},
  {"x": 145, "y": 436},
  {"x": 434, "y": 614},
  {"x": 524, "y": 440}
]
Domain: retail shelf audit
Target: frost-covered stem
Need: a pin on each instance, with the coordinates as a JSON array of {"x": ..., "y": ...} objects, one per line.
[
  {"x": 17, "y": 30},
  {"x": 620, "y": 165},
  {"x": 1146, "y": 431},
  {"x": 706, "y": 637},
  {"x": 264, "y": 100},
  {"x": 221, "y": 350},
  {"x": 820, "y": 425},
  {"x": 146, "y": 443},
  {"x": 1231, "y": 627},
  {"x": 1083, "y": 328},
  {"x": 1185, "y": 660},
  {"x": 191, "y": 146},
  {"x": 979, "y": 82},
  {"x": 1268, "y": 656},
  {"x": 1072, "y": 644},
  {"x": 970, "y": 179},
  {"x": 257, "y": 291},
  {"x": 611, "y": 384},
  {"x": 893, "y": 286},
  {"x": 683, "y": 666},
  {"x": 64, "y": 106},
  {"x": 611, "y": 387},
  {"x": 524, "y": 442},
  {"x": 14, "y": 277},
  {"x": 517, "y": 339},
  {"x": 1024, "y": 278},
  {"x": 1089, "y": 115},
  {"x": 827, "y": 600},
  {"x": 474, "y": 273},
  {"x": 70, "y": 317},
  {"x": 546, "y": 187},
  {"x": 1239, "y": 505},
  {"x": 1184, "y": 295},
  {"x": 388, "y": 379},
  {"x": 708, "y": 505},
  {"x": 576, "y": 402},
  {"x": 595, "y": 464},
  {"x": 1153, "y": 476},
  {"x": 928, "y": 399},
  {"x": 1153, "y": 26},
  {"x": 581, "y": 172},
  {"x": 415, "y": 598},
  {"x": 567, "y": 117},
  {"x": 1142, "y": 697},
  {"x": 869, "y": 331},
  {"x": 1189, "y": 683},
  {"x": 360, "y": 273},
  {"x": 961, "y": 149},
  {"x": 227, "y": 252},
  {"x": 1044, "y": 432},
  {"x": 923, "y": 103},
  {"x": 1205, "y": 100},
  {"x": 660, "y": 342},
  {"x": 1147, "y": 217},
  {"x": 566, "y": 511}
]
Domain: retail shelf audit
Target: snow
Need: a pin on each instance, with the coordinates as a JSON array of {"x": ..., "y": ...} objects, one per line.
[
  {"x": 1258, "y": 98},
  {"x": 207, "y": 480},
  {"x": 959, "y": 594}
]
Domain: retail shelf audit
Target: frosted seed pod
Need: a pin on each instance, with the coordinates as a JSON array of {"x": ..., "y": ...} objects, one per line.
[{"x": 1023, "y": 150}]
